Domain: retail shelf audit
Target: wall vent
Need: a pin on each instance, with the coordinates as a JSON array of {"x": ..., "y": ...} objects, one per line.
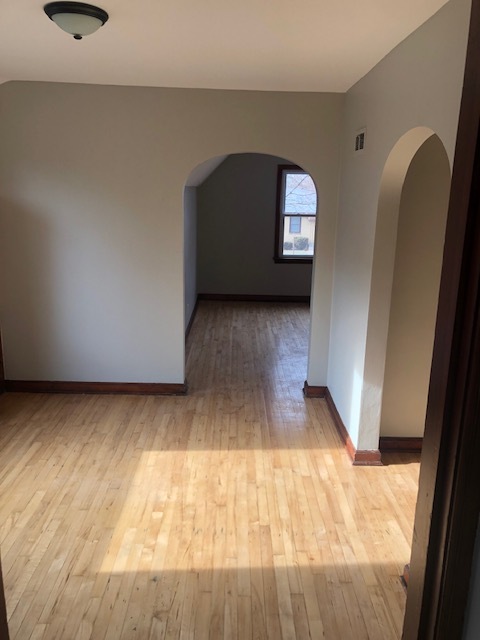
[{"x": 360, "y": 138}]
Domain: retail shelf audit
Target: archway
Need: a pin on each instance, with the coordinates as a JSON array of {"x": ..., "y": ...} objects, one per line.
[
  {"x": 414, "y": 300},
  {"x": 392, "y": 186},
  {"x": 235, "y": 197}
]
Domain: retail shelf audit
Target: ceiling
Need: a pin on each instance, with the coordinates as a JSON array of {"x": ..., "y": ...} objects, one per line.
[{"x": 300, "y": 45}]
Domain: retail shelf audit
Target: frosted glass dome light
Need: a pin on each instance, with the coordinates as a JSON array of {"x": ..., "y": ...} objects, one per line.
[{"x": 76, "y": 18}]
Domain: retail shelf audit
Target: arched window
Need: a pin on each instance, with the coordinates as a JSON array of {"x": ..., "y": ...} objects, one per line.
[{"x": 296, "y": 215}]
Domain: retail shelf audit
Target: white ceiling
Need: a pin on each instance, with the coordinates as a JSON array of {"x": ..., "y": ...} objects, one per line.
[{"x": 300, "y": 45}]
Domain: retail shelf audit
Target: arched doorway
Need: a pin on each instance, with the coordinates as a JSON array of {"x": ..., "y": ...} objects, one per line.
[
  {"x": 392, "y": 187},
  {"x": 230, "y": 214},
  {"x": 415, "y": 288}
]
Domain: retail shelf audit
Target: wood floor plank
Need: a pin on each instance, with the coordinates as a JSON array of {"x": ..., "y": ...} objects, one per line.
[{"x": 233, "y": 512}]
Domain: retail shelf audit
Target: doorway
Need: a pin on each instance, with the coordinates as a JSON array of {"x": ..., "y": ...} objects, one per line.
[
  {"x": 230, "y": 214},
  {"x": 415, "y": 288}
]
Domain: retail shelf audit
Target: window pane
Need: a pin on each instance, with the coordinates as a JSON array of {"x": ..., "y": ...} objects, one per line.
[
  {"x": 300, "y": 194},
  {"x": 299, "y": 243},
  {"x": 295, "y": 225},
  {"x": 297, "y": 209}
]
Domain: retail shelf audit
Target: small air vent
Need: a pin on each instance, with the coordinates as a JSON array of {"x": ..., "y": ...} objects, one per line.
[{"x": 360, "y": 140}]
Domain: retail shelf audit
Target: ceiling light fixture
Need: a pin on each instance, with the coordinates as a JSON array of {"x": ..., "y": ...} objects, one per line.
[{"x": 76, "y": 18}]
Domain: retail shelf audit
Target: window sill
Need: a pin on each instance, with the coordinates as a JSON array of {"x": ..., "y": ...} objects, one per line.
[{"x": 292, "y": 260}]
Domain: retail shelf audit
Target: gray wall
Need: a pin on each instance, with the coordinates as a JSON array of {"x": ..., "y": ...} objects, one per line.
[
  {"x": 190, "y": 245},
  {"x": 92, "y": 270},
  {"x": 417, "y": 86},
  {"x": 236, "y": 228}
]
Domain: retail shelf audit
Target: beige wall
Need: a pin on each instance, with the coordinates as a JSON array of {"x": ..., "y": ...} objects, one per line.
[
  {"x": 417, "y": 85},
  {"x": 236, "y": 231},
  {"x": 92, "y": 219},
  {"x": 416, "y": 282}
]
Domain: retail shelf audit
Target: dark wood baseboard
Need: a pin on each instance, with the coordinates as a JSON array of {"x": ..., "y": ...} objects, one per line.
[
  {"x": 128, "y": 388},
  {"x": 312, "y": 391},
  {"x": 400, "y": 445},
  {"x": 364, "y": 458},
  {"x": 241, "y": 297}
]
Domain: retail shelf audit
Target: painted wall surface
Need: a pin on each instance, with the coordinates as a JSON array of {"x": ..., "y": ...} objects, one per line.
[
  {"x": 418, "y": 84},
  {"x": 190, "y": 256},
  {"x": 236, "y": 231},
  {"x": 91, "y": 217},
  {"x": 416, "y": 283}
]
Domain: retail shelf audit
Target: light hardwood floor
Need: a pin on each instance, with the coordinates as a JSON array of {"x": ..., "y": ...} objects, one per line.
[{"x": 231, "y": 513}]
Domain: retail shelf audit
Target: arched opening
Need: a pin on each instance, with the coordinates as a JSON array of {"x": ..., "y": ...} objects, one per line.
[
  {"x": 415, "y": 288},
  {"x": 230, "y": 216},
  {"x": 430, "y": 168}
]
